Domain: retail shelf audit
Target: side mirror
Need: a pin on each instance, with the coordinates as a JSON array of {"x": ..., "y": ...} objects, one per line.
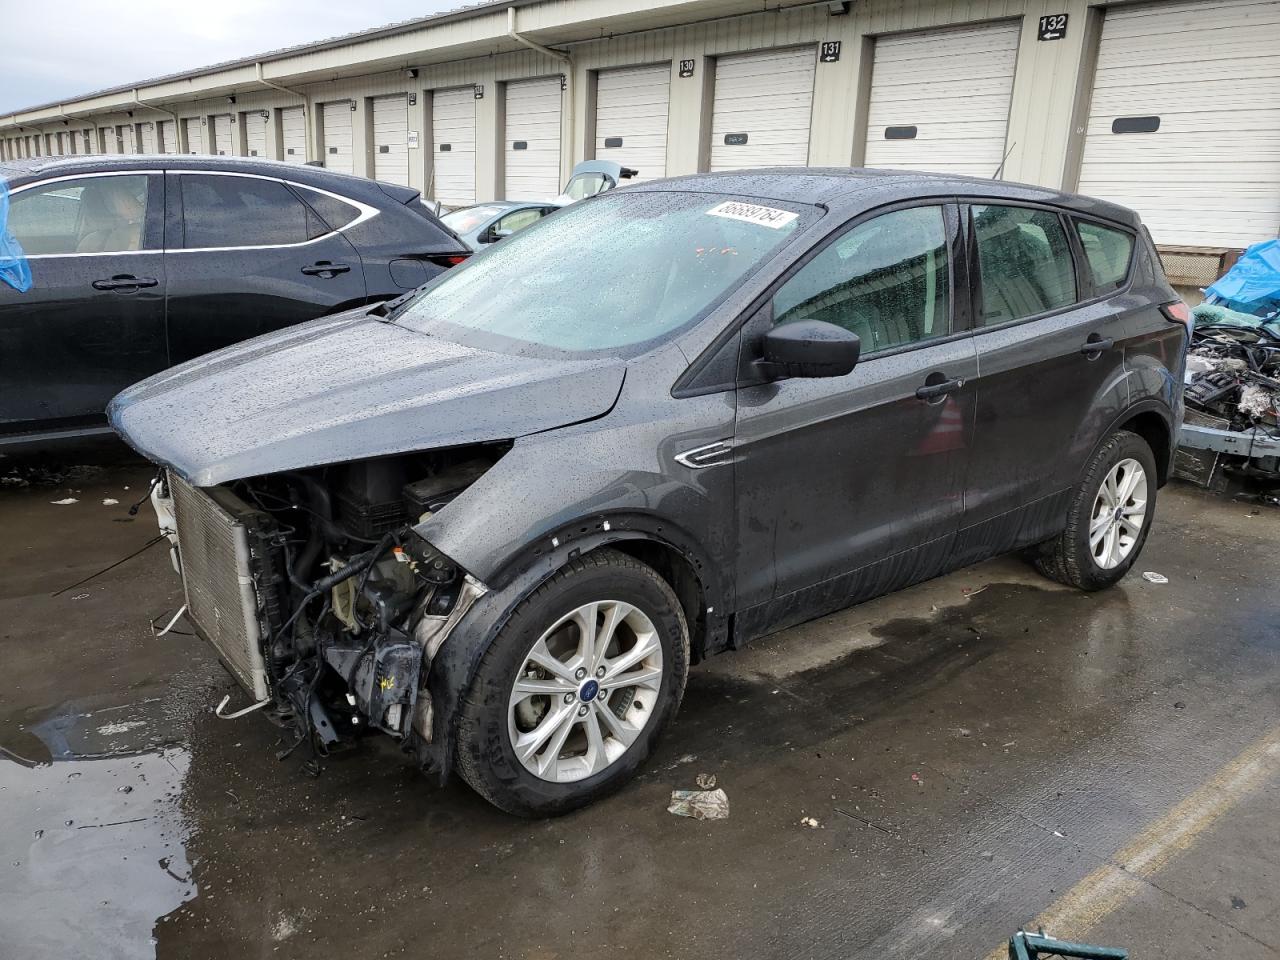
[
  {"x": 810, "y": 348},
  {"x": 500, "y": 234},
  {"x": 434, "y": 207}
]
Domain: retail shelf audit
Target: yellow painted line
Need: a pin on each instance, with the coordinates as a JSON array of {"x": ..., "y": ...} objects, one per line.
[{"x": 1124, "y": 875}]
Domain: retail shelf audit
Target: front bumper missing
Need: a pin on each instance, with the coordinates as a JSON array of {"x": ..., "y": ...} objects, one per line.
[{"x": 1243, "y": 443}]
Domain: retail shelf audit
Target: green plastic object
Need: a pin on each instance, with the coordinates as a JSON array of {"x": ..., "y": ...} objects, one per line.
[
  {"x": 1031, "y": 946},
  {"x": 1216, "y": 315}
]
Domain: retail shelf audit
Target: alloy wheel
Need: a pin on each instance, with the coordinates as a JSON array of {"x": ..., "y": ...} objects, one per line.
[
  {"x": 587, "y": 688},
  {"x": 1118, "y": 514}
]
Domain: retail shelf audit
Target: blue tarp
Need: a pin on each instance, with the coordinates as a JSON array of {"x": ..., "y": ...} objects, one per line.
[
  {"x": 14, "y": 268},
  {"x": 1253, "y": 284}
]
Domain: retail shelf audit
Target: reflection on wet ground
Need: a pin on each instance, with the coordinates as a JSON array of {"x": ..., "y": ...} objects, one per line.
[
  {"x": 968, "y": 750},
  {"x": 94, "y": 842}
]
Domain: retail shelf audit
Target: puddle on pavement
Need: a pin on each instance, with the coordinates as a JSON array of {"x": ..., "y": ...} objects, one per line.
[{"x": 92, "y": 839}]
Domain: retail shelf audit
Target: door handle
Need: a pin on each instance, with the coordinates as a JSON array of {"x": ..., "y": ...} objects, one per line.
[
  {"x": 125, "y": 282},
  {"x": 325, "y": 269},
  {"x": 1094, "y": 346},
  {"x": 935, "y": 391}
]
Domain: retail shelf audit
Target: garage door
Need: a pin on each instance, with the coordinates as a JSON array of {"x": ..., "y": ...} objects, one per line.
[
  {"x": 195, "y": 135},
  {"x": 532, "y": 147},
  {"x": 222, "y": 144},
  {"x": 255, "y": 134},
  {"x": 453, "y": 138},
  {"x": 1184, "y": 123},
  {"x": 168, "y": 136},
  {"x": 336, "y": 118},
  {"x": 391, "y": 138},
  {"x": 149, "y": 144},
  {"x": 940, "y": 99},
  {"x": 293, "y": 135},
  {"x": 631, "y": 118},
  {"x": 760, "y": 115}
]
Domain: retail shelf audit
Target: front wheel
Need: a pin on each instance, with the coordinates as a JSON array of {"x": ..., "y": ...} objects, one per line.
[
  {"x": 578, "y": 685},
  {"x": 1108, "y": 519}
]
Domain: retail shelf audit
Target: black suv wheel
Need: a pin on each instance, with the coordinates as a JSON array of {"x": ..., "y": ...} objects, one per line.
[
  {"x": 576, "y": 689},
  {"x": 1109, "y": 517}
]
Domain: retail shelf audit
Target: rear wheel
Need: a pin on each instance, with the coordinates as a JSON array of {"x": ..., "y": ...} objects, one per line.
[
  {"x": 577, "y": 687},
  {"x": 1108, "y": 519}
]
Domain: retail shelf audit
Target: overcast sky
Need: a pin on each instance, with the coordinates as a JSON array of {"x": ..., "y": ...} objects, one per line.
[{"x": 56, "y": 49}]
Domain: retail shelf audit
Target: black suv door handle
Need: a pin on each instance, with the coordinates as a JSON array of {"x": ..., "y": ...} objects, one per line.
[
  {"x": 935, "y": 391},
  {"x": 325, "y": 269},
  {"x": 125, "y": 282},
  {"x": 1094, "y": 346}
]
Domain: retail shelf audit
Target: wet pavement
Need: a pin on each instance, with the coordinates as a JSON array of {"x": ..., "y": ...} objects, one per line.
[{"x": 977, "y": 752}]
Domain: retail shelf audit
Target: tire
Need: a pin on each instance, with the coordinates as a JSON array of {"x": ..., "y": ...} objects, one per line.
[
  {"x": 1069, "y": 557},
  {"x": 495, "y": 716}
]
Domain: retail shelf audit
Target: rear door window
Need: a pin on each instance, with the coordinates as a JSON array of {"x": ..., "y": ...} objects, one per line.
[
  {"x": 887, "y": 280},
  {"x": 1107, "y": 251},
  {"x": 1024, "y": 262},
  {"x": 234, "y": 211}
]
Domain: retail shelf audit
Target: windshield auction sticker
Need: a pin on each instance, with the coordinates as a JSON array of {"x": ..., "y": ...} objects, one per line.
[{"x": 769, "y": 217}]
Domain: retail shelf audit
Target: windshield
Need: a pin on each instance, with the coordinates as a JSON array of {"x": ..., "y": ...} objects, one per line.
[
  {"x": 586, "y": 185},
  {"x": 608, "y": 275},
  {"x": 468, "y": 218}
]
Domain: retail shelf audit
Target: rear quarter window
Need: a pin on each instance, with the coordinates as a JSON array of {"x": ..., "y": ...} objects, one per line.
[{"x": 1108, "y": 252}]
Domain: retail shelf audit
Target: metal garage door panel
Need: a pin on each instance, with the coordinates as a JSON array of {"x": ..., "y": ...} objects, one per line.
[
  {"x": 1210, "y": 175},
  {"x": 194, "y": 133},
  {"x": 168, "y": 136},
  {"x": 149, "y": 142},
  {"x": 293, "y": 135},
  {"x": 533, "y": 119},
  {"x": 954, "y": 88},
  {"x": 453, "y": 140},
  {"x": 391, "y": 139},
  {"x": 632, "y": 107},
  {"x": 337, "y": 137},
  {"x": 768, "y": 98},
  {"x": 222, "y": 144},
  {"x": 255, "y": 134}
]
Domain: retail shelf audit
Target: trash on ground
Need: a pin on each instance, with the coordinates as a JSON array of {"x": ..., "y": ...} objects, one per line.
[
  {"x": 699, "y": 804},
  {"x": 706, "y": 781},
  {"x": 109, "y": 501},
  {"x": 1152, "y": 577},
  {"x": 64, "y": 501},
  {"x": 809, "y": 822}
]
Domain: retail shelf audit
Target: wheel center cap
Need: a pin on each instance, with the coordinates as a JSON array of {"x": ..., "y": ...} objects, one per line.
[{"x": 588, "y": 691}]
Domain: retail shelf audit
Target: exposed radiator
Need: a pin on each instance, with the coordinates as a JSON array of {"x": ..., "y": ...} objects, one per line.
[{"x": 213, "y": 545}]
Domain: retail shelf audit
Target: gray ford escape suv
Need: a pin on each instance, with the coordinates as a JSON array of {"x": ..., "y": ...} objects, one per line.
[{"x": 499, "y": 519}]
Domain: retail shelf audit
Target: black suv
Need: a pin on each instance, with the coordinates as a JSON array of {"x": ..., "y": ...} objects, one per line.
[
  {"x": 500, "y": 521},
  {"x": 142, "y": 262}
]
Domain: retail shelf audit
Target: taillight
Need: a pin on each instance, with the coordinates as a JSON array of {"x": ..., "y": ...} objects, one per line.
[
  {"x": 449, "y": 260},
  {"x": 1178, "y": 312}
]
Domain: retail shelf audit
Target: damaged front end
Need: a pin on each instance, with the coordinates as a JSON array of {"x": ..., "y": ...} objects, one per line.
[
  {"x": 318, "y": 594},
  {"x": 1232, "y": 394}
]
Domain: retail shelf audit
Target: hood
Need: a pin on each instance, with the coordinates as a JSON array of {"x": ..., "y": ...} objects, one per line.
[{"x": 348, "y": 388}]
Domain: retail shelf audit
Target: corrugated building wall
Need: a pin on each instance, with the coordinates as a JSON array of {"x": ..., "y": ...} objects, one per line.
[{"x": 1051, "y": 48}]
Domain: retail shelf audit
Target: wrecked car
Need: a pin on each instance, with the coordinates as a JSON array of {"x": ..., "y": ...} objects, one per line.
[
  {"x": 499, "y": 520},
  {"x": 1232, "y": 423}
]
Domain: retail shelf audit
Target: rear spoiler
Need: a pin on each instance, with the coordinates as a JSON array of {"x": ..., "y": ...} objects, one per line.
[{"x": 397, "y": 192}]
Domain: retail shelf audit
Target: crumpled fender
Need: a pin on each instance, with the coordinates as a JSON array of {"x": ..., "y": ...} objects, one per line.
[{"x": 453, "y": 668}]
